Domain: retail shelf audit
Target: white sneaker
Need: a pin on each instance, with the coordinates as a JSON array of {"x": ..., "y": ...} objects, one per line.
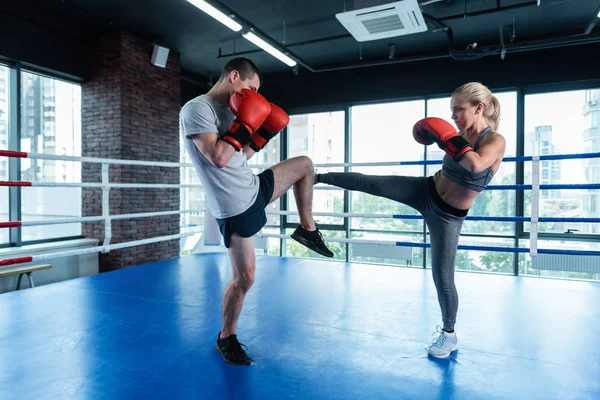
[{"x": 443, "y": 344}]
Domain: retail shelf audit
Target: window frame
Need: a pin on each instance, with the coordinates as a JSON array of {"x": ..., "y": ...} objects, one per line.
[
  {"x": 541, "y": 90},
  {"x": 14, "y": 166},
  {"x": 15, "y": 71},
  {"x": 284, "y": 151},
  {"x": 519, "y": 203}
]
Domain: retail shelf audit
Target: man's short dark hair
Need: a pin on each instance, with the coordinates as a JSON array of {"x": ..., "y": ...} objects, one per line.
[{"x": 244, "y": 66}]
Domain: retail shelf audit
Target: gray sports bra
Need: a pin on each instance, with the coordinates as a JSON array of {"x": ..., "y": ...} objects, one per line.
[{"x": 476, "y": 181}]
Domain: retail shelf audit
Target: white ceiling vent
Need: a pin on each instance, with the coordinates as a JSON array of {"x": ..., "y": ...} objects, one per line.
[{"x": 383, "y": 21}]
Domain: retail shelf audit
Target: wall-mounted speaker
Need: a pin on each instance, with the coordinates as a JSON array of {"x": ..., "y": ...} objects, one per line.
[{"x": 159, "y": 56}]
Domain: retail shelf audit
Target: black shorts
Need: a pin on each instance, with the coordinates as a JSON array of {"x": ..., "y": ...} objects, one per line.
[{"x": 251, "y": 221}]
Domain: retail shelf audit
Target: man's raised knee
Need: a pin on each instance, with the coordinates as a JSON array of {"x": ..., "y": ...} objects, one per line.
[{"x": 307, "y": 163}]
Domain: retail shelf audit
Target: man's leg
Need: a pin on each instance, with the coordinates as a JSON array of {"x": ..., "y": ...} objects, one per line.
[
  {"x": 243, "y": 263},
  {"x": 299, "y": 173}
]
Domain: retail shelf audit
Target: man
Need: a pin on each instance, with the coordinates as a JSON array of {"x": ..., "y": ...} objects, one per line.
[{"x": 221, "y": 131}]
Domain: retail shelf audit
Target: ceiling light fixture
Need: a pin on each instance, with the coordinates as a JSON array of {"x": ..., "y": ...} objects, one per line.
[
  {"x": 235, "y": 26},
  {"x": 268, "y": 48},
  {"x": 216, "y": 14}
]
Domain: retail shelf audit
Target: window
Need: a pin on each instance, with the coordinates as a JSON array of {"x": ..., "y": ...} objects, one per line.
[
  {"x": 313, "y": 135},
  {"x": 563, "y": 123},
  {"x": 383, "y": 133},
  {"x": 4, "y": 210},
  {"x": 38, "y": 136},
  {"x": 591, "y": 117},
  {"x": 190, "y": 199},
  {"x": 558, "y": 265},
  {"x": 269, "y": 155},
  {"x": 545, "y": 175}
]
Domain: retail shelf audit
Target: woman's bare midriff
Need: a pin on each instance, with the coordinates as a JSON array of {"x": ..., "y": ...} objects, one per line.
[{"x": 452, "y": 193}]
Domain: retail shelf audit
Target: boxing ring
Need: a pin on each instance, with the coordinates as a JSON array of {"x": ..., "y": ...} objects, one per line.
[{"x": 316, "y": 328}]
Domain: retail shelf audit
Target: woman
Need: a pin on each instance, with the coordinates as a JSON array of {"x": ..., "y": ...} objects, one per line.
[{"x": 444, "y": 199}]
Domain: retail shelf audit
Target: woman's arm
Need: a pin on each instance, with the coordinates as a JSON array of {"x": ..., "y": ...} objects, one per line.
[{"x": 486, "y": 155}]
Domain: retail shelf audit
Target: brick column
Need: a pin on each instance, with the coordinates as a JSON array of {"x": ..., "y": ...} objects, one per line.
[{"x": 130, "y": 110}]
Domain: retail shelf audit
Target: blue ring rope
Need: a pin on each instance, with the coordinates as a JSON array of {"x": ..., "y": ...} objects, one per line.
[
  {"x": 546, "y": 186},
  {"x": 507, "y": 219},
  {"x": 508, "y": 249},
  {"x": 517, "y": 159}
]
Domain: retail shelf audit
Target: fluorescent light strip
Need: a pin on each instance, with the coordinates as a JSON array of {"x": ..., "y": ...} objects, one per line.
[
  {"x": 216, "y": 14},
  {"x": 269, "y": 49}
]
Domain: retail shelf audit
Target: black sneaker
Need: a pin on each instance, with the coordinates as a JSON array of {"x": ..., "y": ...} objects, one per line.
[
  {"x": 311, "y": 239},
  {"x": 232, "y": 350}
]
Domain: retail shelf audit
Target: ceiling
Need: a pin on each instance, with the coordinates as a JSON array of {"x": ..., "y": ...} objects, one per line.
[{"x": 309, "y": 30}]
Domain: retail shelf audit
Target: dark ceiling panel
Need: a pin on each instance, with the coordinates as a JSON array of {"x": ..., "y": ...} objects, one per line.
[{"x": 309, "y": 28}]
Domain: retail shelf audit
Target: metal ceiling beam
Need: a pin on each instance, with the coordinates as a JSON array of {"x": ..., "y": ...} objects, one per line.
[
  {"x": 295, "y": 44},
  {"x": 494, "y": 10},
  {"x": 484, "y": 51},
  {"x": 267, "y": 38},
  {"x": 580, "y": 39},
  {"x": 593, "y": 22},
  {"x": 497, "y": 9}
]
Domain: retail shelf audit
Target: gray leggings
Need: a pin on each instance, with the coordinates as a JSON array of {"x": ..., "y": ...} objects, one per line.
[{"x": 444, "y": 223}]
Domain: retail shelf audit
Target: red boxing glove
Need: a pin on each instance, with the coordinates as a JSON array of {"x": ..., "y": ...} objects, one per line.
[
  {"x": 275, "y": 122},
  {"x": 430, "y": 130},
  {"x": 251, "y": 109}
]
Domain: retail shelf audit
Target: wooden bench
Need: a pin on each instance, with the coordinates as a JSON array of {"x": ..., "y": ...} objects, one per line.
[{"x": 25, "y": 269}]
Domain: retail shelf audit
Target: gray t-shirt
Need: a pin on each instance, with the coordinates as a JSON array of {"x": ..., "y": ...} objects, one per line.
[{"x": 230, "y": 190}]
